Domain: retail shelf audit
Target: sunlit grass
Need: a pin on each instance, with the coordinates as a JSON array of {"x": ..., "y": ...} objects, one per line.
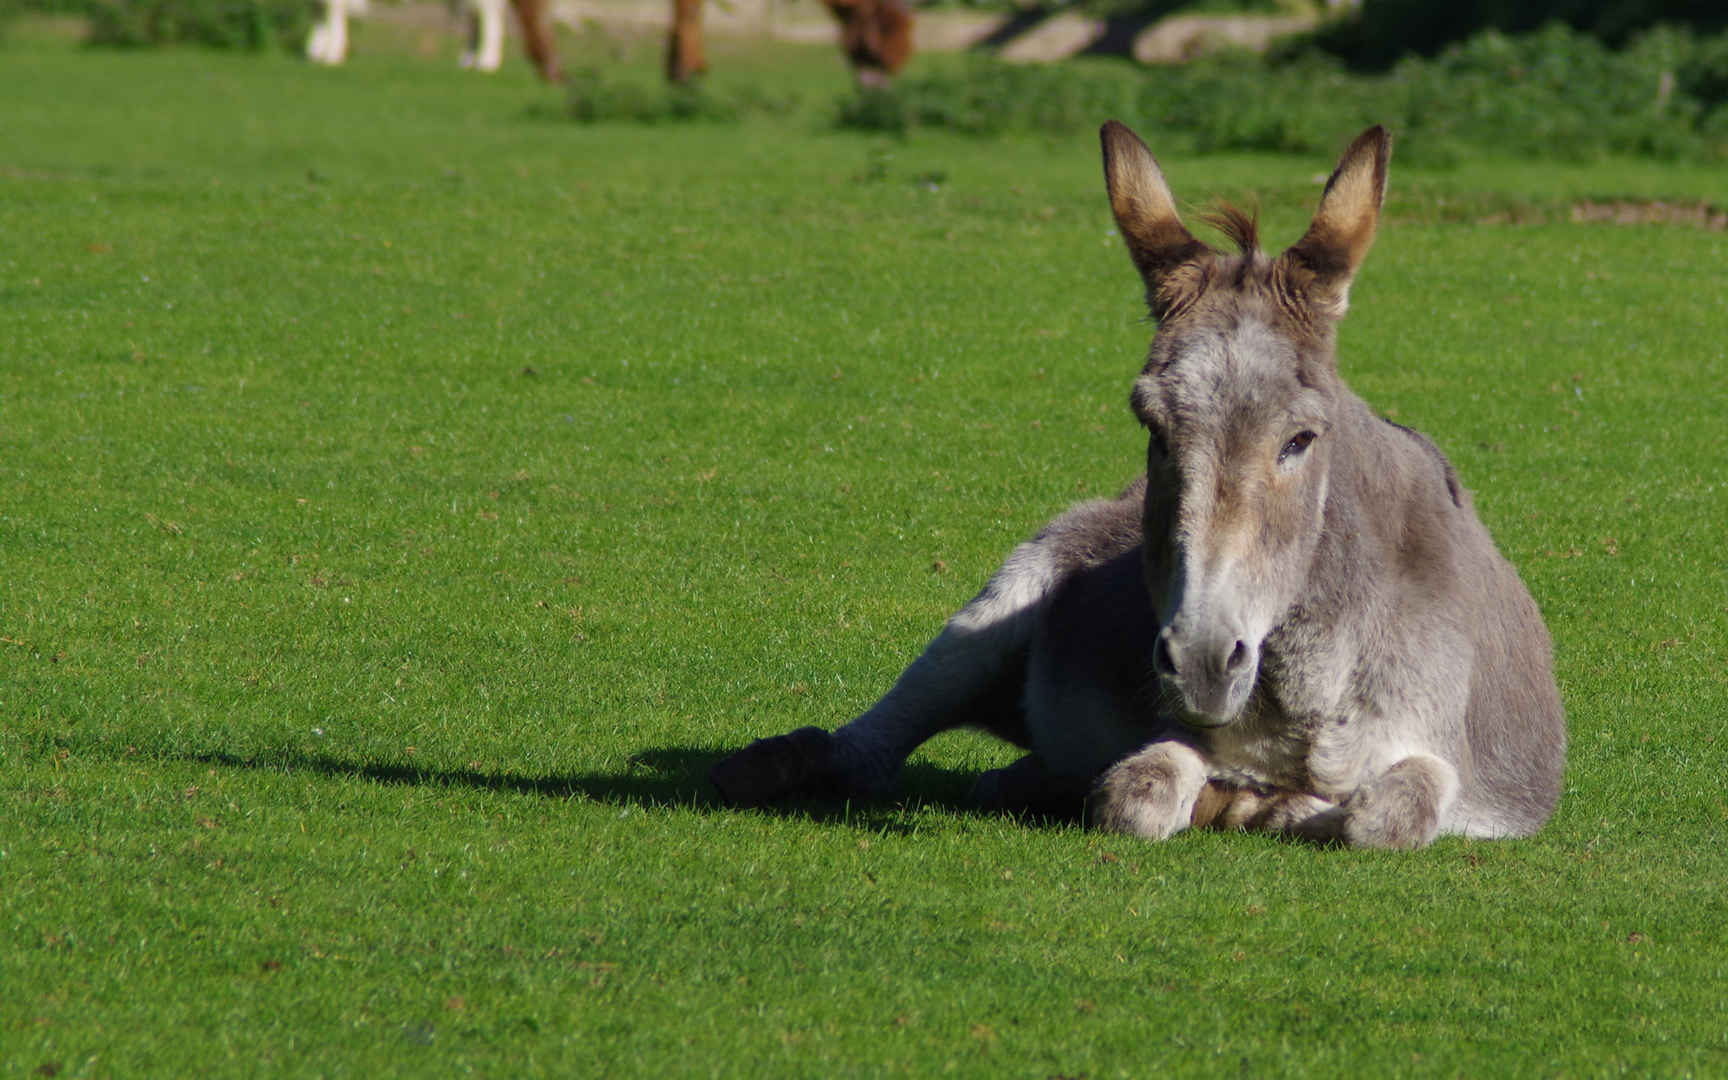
[{"x": 406, "y": 492}]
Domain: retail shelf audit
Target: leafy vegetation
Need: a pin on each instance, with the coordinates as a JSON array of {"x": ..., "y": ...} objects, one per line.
[
  {"x": 1567, "y": 95},
  {"x": 597, "y": 96},
  {"x": 1378, "y": 33},
  {"x": 247, "y": 25},
  {"x": 404, "y": 496}
]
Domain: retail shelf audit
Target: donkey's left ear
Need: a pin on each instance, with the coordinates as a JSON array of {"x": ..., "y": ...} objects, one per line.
[
  {"x": 1325, "y": 260},
  {"x": 1146, "y": 215}
]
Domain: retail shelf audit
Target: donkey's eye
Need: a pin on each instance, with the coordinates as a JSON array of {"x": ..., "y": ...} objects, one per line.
[{"x": 1296, "y": 446}]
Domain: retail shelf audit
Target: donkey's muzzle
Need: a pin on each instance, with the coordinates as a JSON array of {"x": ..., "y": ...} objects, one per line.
[{"x": 1213, "y": 672}]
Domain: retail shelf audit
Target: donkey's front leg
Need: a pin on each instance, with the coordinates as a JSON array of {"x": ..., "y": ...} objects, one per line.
[
  {"x": 1402, "y": 807},
  {"x": 1029, "y": 787},
  {"x": 973, "y": 673},
  {"x": 965, "y": 676},
  {"x": 1151, "y": 792}
]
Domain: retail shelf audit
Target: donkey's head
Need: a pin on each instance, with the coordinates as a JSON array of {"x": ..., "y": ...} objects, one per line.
[{"x": 1240, "y": 395}]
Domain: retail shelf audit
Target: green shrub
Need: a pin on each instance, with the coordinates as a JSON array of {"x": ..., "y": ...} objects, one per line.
[
  {"x": 596, "y": 98},
  {"x": 250, "y": 25},
  {"x": 12, "y": 9},
  {"x": 44, "y": 7},
  {"x": 1381, "y": 32},
  {"x": 1702, "y": 71},
  {"x": 990, "y": 98},
  {"x": 1560, "y": 93},
  {"x": 1218, "y": 103}
]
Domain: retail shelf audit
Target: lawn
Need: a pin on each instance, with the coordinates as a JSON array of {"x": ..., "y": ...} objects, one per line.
[{"x": 406, "y": 493}]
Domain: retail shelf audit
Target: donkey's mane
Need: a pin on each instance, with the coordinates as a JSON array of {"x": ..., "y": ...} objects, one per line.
[{"x": 1240, "y": 227}]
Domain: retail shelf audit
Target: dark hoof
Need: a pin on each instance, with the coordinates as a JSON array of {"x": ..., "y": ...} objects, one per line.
[
  {"x": 798, "y": 763},
  {"x": 1026, "y": 787}
]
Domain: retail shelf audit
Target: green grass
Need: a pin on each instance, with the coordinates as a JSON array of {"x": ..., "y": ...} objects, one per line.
[{"x": 404, "y": 495}]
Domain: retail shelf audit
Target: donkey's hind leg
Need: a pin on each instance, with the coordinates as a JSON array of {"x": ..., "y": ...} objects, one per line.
[
  {"x": 1226, "y": 805},
  {"x": 1166, "y": 787},
  {"x": 1402, "y": 807},
  {"x": 972, "y": 674}
]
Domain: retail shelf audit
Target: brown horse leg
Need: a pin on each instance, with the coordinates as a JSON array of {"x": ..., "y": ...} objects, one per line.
[
  {"x": 684, "y": 59},
  {"x": 893, "y": 34},
  {"x": 537, "y": 36},
  {"x": 875, "y": 36}
]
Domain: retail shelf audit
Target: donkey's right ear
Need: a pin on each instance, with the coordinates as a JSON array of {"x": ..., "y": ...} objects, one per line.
[
  {"x": 1323, "y": 263},
  {"x": 1145, "y": 213}
]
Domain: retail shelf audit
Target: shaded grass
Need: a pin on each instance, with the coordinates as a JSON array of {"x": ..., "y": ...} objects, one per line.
[{"x": 403, "y": 497}]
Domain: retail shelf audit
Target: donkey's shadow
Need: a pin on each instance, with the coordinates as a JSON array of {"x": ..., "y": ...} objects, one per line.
[{"x": 668, "y": 777}]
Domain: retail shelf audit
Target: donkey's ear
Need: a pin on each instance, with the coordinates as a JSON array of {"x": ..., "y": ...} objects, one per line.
[
  {"x": 1324, "y": 261},
  {"x": 1145, "y": 213}
]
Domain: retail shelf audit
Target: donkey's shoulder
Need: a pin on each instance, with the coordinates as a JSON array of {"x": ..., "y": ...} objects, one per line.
[
  {"x": 1449, "y": 475},
  {"x": 1093, "y": 532}
]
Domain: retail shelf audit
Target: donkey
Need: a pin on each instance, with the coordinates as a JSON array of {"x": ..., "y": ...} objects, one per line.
[{"x": 1292, "y": 622}]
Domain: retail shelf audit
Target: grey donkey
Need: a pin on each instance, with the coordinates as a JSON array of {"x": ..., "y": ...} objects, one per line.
[{"x": 1294, "y": 621}]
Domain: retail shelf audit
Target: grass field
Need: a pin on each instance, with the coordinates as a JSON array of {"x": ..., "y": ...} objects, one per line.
[{"x": 405, "y": 493}]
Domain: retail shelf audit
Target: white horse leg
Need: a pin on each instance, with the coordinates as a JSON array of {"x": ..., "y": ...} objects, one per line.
[
  {"x": 328, "y": 41},
  {"x": 485, "y": 50}
]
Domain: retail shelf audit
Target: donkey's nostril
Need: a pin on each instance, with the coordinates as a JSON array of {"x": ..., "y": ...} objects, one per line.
[
  {"x": 1238, "y": 657},
  {"x": 1163, "y": 660}
]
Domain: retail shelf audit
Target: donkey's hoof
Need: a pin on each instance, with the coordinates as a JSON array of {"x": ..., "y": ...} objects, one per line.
[
  {"x": 797, "y": 763},
  {"x": 1369, "y": 822},
  {"x": 1401, "y": 808},
  {"x": 1027, "y": 787},
  {"x": 1139, "y": 796},
  {"x": 989, "y": 792}
]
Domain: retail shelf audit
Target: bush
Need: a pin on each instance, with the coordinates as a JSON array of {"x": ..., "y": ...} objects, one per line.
[
  {"x": 1217, "y": 103},
  {"x": 44, "y": 7},
  {"x": 990, "y": 98},
  {"x": 251, "y": 25},
  {"x": 1558, "y": 92},
  {"x": 595, "y": 99},
  {"x": 1381, "y": 32},
  {"x": 1702, "y": 71}
]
